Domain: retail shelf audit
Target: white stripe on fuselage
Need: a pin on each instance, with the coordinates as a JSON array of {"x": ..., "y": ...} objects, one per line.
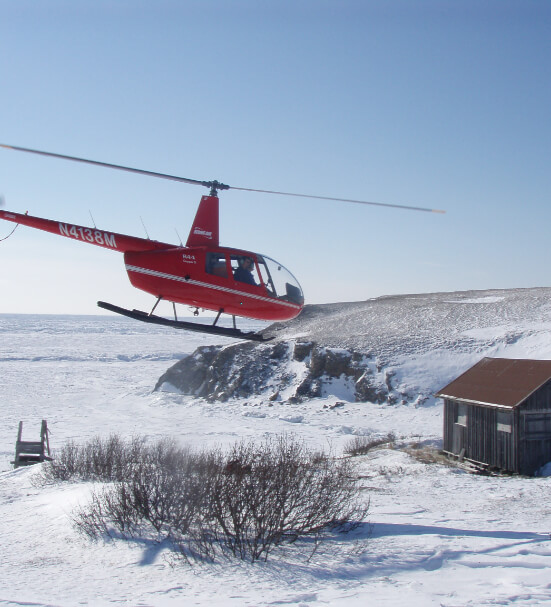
[{"x": 208, "y": 285}]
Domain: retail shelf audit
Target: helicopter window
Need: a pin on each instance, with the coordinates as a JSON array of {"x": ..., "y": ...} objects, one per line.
[
  {"x": 280, "y": 281},
  {"x": 244, "y": 269},
  {"x": 216, "y": 265},
  {"x": 265, "y": 276}
]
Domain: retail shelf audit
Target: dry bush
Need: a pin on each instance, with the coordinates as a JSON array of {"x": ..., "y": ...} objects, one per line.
[
  {"x": 360, "y": 445},
  {"x": 160, "y": 497},
  {"x": 278, "y": 490},
  {"x": 99, "y": 459},
  {"x": 427, "y": 454},
  {"x": 242, "y": 503}
]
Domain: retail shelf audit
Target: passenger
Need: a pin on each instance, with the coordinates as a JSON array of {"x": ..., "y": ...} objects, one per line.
[{"x": 244, "y": 272}]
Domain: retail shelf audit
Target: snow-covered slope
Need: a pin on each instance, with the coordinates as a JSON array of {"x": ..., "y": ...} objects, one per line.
[
  {"x": 414, "y": 324},
  {"x": 392, "y": 349}
]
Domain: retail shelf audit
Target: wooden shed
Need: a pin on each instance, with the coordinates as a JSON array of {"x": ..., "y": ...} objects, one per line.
[{"x": 498, "y": 414}]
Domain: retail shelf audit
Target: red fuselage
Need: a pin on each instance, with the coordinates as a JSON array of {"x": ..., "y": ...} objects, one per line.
[
  {"x": 182, "y": 275},
  {"x": 201, "y": 276}
]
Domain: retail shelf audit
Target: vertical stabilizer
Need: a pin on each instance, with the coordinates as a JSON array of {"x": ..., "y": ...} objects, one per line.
[{"x": 204, "y": 230}]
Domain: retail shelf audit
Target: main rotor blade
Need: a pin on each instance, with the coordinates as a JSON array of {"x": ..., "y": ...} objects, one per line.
[
  {"x": 377, "y": 204},
  {"x": 214, "y": 185},
  {"x": 207, "y": 184}
]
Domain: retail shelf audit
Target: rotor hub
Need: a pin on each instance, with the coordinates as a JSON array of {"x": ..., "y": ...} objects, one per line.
[{"x": 215, "y": 186}]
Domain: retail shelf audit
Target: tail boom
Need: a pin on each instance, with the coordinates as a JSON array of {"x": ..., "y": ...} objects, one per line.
[{"x": 100, "y": 238}]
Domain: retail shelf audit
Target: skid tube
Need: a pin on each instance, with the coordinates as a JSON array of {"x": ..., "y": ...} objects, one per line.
[{"x": 179, "y": 324}]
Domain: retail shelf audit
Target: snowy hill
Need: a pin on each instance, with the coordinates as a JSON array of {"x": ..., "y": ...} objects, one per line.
[{"x": 392, "y": 349}]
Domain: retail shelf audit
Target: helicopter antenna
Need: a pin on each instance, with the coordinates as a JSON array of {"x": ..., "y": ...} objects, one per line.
[
  {"x": 2, "y": 203},
  {"x": 6, "y": 237},
  {"x": 214, "y": 185},
  {"x": 145, "y": 229},
  {"x": 92, "y": 218}
]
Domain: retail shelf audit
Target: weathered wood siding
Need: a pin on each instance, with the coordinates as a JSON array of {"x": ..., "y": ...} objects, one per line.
[
  {"x": 449, "y": 416},
  {"x": 541, "y": 399},
  {"x": 511, "y": 439},
  {"x": 535, "y": 430},
  {"x": 480, "y": 439}
]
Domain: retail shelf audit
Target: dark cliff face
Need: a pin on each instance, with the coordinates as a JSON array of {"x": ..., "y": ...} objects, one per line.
[{"x": 287, "y": 370}]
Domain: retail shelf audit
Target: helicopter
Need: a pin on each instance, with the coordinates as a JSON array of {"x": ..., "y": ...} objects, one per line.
[{"x": 202, "y": 274}]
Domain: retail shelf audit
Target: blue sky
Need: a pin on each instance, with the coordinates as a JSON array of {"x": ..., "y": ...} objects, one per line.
[{"x": 435, "y": 104}]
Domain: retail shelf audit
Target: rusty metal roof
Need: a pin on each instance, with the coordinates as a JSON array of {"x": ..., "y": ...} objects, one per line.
[{"x": 501, "y": 382}]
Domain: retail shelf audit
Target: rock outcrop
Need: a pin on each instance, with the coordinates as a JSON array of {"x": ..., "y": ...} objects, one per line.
[
  {"x": 382, "y": 350},
  {"x": 289, "y": 370}
]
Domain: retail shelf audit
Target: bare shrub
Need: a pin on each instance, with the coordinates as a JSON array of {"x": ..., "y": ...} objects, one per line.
[
  {"x": 360, "y": 445},
  {"x": 159, "y": 497},
  {"x": 243, "y": 503},
  {"x": 274, "y": 491},
  {"x": 110, "y": 459},
  {"x": 168, "y": 489},
  {"x": 64, "y": 465},
  {"x": 428, "y": 454},
  {"x": 99, "y": 459},
  {"x": 92, "y": 520}
]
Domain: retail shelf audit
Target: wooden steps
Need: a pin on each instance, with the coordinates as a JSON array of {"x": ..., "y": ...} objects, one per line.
[{"x": 32, "y": 452}]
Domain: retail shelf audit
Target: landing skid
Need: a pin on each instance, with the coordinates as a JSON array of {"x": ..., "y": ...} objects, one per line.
[{"x": 179, "y": 324}]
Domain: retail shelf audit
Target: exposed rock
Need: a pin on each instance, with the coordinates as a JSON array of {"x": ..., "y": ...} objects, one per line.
[
  {"x": 220, "y": 373},
  {"x": 292, "y": 371},
  {"x": 302, "y": 350}
]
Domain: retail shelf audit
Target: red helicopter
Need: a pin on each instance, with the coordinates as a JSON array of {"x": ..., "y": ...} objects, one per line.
[{"x": 201, "y": 274}]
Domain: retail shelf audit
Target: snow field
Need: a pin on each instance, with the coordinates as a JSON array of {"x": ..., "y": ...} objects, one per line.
[{"x": 435, "y": 535}]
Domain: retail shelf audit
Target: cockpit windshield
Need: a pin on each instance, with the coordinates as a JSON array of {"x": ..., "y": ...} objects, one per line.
[{"x": 279, "y": 281}]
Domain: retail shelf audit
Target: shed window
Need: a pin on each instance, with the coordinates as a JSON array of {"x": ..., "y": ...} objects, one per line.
[
  {"x": 461, "y": 415},
  {"x": 504, "y": 421}
]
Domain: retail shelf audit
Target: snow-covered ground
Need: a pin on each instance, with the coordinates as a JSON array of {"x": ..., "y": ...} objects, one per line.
[{"x": 435, "y": 535}]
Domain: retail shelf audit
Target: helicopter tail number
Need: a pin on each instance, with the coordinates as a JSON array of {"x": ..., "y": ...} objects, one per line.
[{"x": 97, "y": 237}]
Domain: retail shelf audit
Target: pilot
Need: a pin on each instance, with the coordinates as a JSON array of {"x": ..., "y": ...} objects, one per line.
[{"x": 244, "y": 272}]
